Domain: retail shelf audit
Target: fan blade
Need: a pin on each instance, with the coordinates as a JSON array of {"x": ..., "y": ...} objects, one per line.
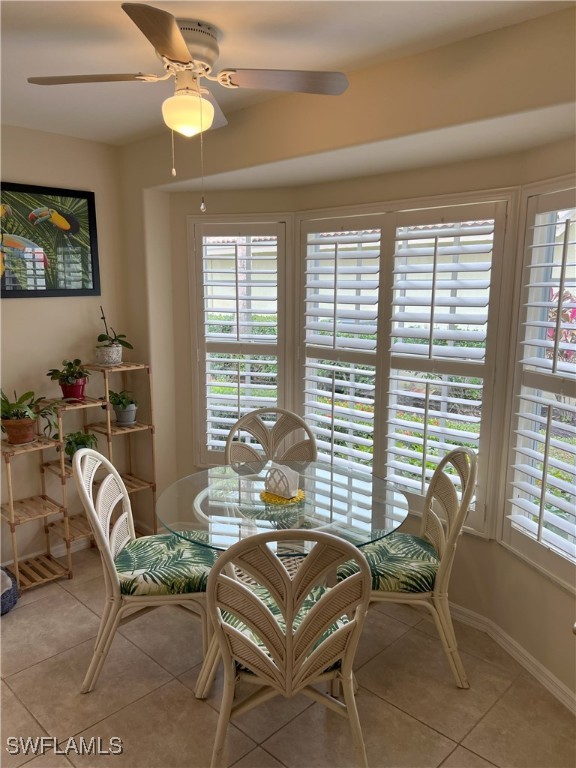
[
  {"x": 161, "y": 29},
  {"x": 70, "y": 79},
  {"x": 219, "y": 118},
  {"x": 329, "y": 83}
]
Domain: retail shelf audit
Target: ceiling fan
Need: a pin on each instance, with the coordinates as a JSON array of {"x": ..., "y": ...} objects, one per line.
[{"x": 188, "y": 50}]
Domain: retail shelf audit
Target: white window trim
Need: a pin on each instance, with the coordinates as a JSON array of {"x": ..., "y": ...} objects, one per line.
[
  {"x": 553, "y": 565},
  {"x": 196, "y": 226}
]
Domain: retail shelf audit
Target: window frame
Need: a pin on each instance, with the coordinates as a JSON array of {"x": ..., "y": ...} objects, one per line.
[
  {"x": 532, "y": 201},
  {"x": 197, "y": 228}
]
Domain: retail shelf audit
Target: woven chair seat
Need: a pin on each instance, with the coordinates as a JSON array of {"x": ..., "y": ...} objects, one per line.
[
  {"x": 164, "y": 564},
  {"x": 399, "y": 562},
  {"x": 275, "y": 610}
]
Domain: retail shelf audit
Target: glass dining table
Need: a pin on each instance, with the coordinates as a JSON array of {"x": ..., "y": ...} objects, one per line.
[{"x": 221, "y": 505}]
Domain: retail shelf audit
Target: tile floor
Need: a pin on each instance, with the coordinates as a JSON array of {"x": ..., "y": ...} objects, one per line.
[{"x": 411, "y": 712}]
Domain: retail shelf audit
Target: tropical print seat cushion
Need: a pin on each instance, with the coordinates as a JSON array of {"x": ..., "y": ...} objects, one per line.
[
  {"x": 164, "y": 564},
  {"x": 399, "y": 562}
]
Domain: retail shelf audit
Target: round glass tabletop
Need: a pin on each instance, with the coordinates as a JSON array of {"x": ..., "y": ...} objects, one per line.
[{"x": 221, "y": 505}]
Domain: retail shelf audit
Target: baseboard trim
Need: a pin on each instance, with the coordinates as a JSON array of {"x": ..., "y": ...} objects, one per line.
[{"x": 554, "y": 686}]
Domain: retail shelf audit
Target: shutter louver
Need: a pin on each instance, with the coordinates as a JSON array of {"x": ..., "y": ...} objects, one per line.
[
  {"x": 341, "y": 300},
  {"x": 339, "y": 401},
  {"x": 441, "y": 290},
  {"x": 545, "y": 450},
  {"x": 342, "y": 274},
  {"x": 550, "y": 327},
  {"x": 240, "y": 284},
  {"x": 543, "y": 475},
  {"x": 429, "y": 416}
]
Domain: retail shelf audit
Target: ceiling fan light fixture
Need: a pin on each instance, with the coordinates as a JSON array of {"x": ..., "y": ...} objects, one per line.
[{"x": 187, "y": 113}]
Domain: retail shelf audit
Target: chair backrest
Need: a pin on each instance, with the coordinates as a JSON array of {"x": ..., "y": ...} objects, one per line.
[
  {"x": 287, "y": 628},
  {"x": 271, "y": 436},
  {"x": 107, "y": 507},
  {"x": 444, "y": 512}
]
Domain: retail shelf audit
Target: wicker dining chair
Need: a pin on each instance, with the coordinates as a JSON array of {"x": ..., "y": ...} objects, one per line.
[
  {"x": 285, "y": 631},
  {"x": 415, "y": 570},
  {"x": 256, "y": 427},
  {"x": 139, "y": 573}
]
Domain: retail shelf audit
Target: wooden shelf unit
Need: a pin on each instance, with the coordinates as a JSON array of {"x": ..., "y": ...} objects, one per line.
[
  {"x": 111, "y": 430},
  {"x": 30, "y": 572}
]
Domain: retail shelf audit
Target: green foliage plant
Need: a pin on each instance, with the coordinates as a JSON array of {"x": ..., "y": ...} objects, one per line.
[
  {"x": 121, "y": 399},
  {"x": 26, "y": 406},
  {"x": 70, "y": 373},
  {"x": 111, "y": 337},
  {"x": 73, "y": 441}
]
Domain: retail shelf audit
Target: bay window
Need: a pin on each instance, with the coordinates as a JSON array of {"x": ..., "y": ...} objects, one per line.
[{"x": 388, "y": 332}]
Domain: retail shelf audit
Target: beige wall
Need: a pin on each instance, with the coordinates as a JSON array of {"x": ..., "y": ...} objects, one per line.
[{"x": 37, "y": 334}]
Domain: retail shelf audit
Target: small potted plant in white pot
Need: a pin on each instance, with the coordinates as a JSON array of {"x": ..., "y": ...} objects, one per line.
[
  {"x": 110, "y": 351},
  {"x": 20, "y": 417},
  {"x": 124, "y": 405},
  {"x": 72, "y": 377}
]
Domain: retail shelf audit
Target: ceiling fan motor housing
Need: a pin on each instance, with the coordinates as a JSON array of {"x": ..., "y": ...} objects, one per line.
[{"x": 202, "y": 42}]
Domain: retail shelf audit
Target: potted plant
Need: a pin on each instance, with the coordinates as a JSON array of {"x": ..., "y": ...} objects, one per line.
[
  {"x": 20, "y": 417},
  {"x": 72, "y": 377},
  {"x": 110, "y": 351},
  {"x": 73, "y": 441},
  {"x": 124, "y": 406}
]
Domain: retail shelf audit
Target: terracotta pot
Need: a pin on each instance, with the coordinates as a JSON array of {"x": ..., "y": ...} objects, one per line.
[
  {"x": 74, "y": 391},
  {"x": 110, "y": 355},
  {"x": 20, "y": 431}
]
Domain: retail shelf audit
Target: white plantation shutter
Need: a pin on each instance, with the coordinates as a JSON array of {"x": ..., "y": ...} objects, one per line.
[
  {"x": 543, "y": 472},
  {"x": 238, "y": 344},
  {"x": 441, "y": 283},
  {"x": 442, "y": 289},
  {"x": 339, "y": 399},
  {"x": 342, "y": 283},
  {"x": 429, "y": 415},
  {"x": 342, "y": 276}
]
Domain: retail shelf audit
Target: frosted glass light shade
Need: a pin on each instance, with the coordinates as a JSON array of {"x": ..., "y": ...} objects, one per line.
[{"x": 187, "y": 113}]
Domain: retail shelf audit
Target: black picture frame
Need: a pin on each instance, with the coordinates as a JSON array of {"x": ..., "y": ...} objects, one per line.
[{"x": 48, "y": 242}]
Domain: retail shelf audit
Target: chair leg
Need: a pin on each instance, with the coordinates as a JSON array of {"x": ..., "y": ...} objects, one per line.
[
  {"x": 108, "y": 607},
  {"x": 223, "y": 718},
  {"x": 108, "y": 627},
  {"x": 208, "y": 670},
  {"x": 445, "y": 628},
  {"x": 354, "y": 720}
]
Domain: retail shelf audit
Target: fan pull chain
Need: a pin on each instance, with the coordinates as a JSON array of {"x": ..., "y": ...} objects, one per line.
[
  {"x": 173, "y": 163},
  {"x": 202, "y": 203}
]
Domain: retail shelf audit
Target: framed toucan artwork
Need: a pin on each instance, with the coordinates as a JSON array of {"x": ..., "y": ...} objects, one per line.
[{"x": 48, "y": 244}]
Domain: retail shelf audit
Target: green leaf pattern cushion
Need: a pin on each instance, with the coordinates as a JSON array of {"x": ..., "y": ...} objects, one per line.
[
  {"x": 164, "y": 564},
  {"x": 399, "y": 562}
]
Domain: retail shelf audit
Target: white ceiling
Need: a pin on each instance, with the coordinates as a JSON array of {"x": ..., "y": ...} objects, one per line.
[{"x": 84, "y": 37}]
